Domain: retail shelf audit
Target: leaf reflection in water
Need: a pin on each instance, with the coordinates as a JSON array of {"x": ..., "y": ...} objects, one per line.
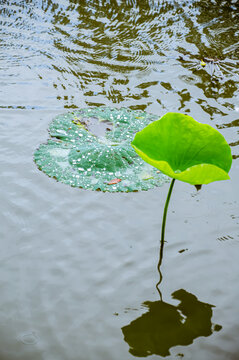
[{"x": 164, "y": 325}]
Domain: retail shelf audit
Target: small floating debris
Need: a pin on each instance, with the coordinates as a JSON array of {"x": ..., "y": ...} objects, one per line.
[
  {"x": 215, "y": 67},
  {"x": 114, "y": 181},
  {"x": 182, "y": 250}
]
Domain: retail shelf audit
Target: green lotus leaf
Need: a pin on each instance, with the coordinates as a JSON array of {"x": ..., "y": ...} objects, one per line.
[
  {"x": 91, "y": 149},
  {"x": 184, "y": 149}
]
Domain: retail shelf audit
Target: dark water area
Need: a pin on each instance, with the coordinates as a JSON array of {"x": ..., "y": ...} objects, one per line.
[{"x": 79, "y": 268}]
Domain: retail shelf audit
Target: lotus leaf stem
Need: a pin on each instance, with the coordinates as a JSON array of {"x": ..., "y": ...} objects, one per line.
[
  {"x": 162, "y": 235},
  {"x": 166, "y": 210}
]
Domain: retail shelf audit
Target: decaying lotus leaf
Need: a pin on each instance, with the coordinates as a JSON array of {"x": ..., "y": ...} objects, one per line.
[{"x": 91, "y": 149}]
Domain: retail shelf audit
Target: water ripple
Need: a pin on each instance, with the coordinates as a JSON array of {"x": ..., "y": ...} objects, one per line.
[{"x": 70, "y": 260}]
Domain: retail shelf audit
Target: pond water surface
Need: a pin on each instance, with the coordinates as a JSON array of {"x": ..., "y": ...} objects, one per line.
[{"x": 79, "y": 268}]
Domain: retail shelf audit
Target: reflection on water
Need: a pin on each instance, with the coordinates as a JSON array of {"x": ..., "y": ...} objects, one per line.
[
  {"x": 140, "y": 54},
  {"x": 108, "y": 52},
  {"x": 164, "y": 325}
]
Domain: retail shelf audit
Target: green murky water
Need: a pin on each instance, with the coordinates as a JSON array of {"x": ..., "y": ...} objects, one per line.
[{"x": 79, "y": 268}]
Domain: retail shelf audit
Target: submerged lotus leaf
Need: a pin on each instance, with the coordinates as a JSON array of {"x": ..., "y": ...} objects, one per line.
[
  {"x": 91, "y": 149},
  {"x": 184, "y": 149}
]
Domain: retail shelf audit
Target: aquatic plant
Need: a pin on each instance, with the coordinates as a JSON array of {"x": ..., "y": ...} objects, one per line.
[
  {"x": 90, "y": 148},
  {"x": 184, "y": 149}
]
